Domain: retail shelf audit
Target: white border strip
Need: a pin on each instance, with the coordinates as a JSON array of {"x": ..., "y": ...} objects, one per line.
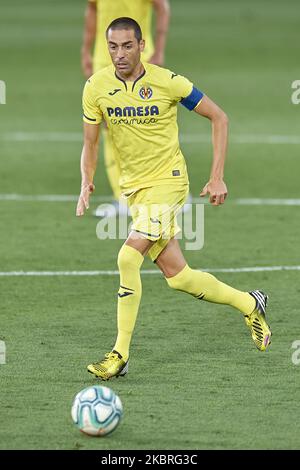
[
  {"x": 145, "y": 271},
  {"x": 184, "y": 138}
]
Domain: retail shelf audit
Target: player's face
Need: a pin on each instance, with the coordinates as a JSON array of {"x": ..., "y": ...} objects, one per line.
[{"x": 124, "y": 49}]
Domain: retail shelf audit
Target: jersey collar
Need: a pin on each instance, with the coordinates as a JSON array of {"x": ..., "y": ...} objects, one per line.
[{"x": 135, "y": 81}]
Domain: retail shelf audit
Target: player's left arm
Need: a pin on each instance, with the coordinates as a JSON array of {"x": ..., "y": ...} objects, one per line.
[
  {"x": 162, "y": 18},
  {"x": 216, "y": 186}
]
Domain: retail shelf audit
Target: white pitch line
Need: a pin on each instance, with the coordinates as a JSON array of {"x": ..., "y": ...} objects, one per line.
[
  {"x": 105, "y": 199},
  {"x": 244, "y": 139},
  {"x": 145, "y": 271},
  {"x": 49, "y": 198},
  {"x": 270, "y": 202},
  {"x": 41, "y": 136},
  {"x": 184, "y": 138},
  {"x": 257, "y": 201}
]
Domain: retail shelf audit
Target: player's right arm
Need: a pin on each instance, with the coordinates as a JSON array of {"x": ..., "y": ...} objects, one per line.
[
  {"x": 88, "y": 165},
  {"x": 89, "y": 34},
  {"x": 92, "y": 117}
]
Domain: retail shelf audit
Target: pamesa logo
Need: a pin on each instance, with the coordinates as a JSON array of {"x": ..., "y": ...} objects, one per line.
[{"x": 132, "y": 111}]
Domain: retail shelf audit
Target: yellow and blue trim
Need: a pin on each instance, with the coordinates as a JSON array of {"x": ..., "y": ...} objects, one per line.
[{"x": 193, "y": 99}]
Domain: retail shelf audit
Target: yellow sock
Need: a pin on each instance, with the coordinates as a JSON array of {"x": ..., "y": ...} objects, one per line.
[
  {"x": 111, "y": 163},
  {"x": 129, "y": 296},
  {"x": 204, "y": 286}
]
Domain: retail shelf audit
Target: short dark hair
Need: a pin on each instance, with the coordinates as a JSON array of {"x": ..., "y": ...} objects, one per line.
[{"x": 126, "y": 23}]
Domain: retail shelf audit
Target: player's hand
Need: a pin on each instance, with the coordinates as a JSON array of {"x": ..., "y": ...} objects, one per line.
[
  {"x": 157, "y": 58},
  {"x": 87, "y": 64},
  {"x": 217, "y": 191},
  {"x": 83, "y": 201}
]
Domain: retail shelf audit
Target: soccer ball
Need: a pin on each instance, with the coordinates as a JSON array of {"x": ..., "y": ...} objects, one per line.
[{"x": 97, "y": 410}]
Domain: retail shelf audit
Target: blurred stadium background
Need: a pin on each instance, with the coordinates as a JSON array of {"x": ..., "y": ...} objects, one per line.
[{"x": 187, "y": 388}]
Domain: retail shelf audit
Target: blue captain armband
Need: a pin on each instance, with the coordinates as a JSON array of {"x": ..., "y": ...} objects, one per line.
[{"x": 191, "y": 101}]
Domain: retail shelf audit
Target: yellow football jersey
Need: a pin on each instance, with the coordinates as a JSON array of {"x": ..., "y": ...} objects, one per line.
[
  {"x": 142, "y": 119},
  {"x": 109, "y": 10}
]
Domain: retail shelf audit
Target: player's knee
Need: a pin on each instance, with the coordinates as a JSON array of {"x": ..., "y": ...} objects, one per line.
[
  {"x": 129, "y": 257},
  {"x": 181, "y": 281}
]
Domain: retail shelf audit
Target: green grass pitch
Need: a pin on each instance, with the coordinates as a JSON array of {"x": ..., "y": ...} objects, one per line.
[{"x": 196, "y": 380}]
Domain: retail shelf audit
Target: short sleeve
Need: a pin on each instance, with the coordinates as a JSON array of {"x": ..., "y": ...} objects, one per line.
[
  {"x": 180, "y": 86},
  {"x": 183, "y": 91},
  {"x": 91, "y": 111}
]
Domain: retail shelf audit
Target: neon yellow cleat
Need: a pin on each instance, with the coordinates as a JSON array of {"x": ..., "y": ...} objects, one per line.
[
  {"x": 256, "y": 321},
  {"x": 113, "y": 365}
]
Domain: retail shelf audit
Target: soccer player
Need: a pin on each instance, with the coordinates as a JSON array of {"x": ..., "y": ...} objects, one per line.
[
  {"x": 138, "y": 101},
  {"x": 99, "y": 14}
]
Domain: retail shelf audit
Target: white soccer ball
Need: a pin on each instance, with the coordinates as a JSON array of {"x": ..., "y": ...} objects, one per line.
[{"x": 97, "y": 410}]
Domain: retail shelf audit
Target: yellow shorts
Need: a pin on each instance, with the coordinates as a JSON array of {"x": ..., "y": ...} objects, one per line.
[{"x": 154, "y": 211}]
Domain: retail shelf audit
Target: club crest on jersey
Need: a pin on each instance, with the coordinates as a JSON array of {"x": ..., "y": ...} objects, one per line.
[{"x": 145, "y": 92}]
